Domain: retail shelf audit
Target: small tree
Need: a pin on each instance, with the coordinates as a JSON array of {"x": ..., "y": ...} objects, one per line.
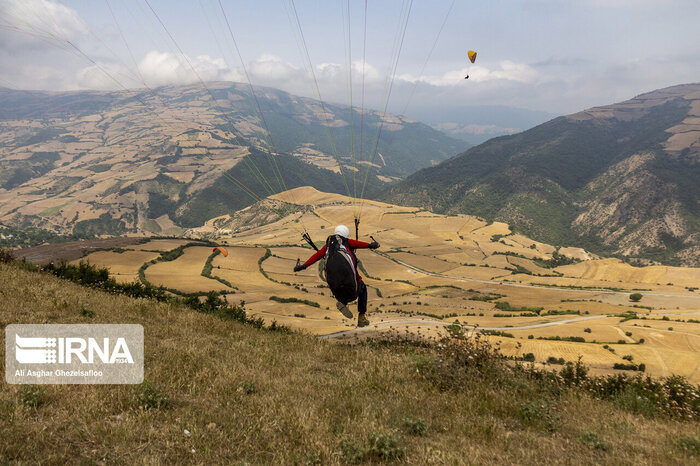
[{"x": 636, "y": 297}]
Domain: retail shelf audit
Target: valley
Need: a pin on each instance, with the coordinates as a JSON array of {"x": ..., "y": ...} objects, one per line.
[{"x": 432, "y": 272}]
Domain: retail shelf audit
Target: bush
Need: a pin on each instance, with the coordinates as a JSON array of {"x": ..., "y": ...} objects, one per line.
[
  {"x": 247, "y": 388},
  {"x": 636, "y": 297},
  {"x": 593, "y": 440},
  {"x": 149, "y": 397},
  {"x": 690, "y": 445},
  {"x": 381, "y": 447},
  {"x": 6, "y": 256},
  {"x": 294, "y": 300},
  {"x": 33, "y": 396},
  {"x": 587, "y": 330},
  {"x": 415, "y": 426},
  {"x": 529, "y": 357}
]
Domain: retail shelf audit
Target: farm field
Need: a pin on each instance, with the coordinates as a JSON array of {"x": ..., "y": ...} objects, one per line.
[{"x": 433, "y": 271}]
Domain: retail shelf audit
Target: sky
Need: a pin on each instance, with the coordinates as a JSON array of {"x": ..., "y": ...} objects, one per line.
[{"x": 550, "y": 56}]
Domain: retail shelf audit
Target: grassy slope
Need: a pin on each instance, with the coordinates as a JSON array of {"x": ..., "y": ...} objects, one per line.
[{"x": 310, "y": 397}]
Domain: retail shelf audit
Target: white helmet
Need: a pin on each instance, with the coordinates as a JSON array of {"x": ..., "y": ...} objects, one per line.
[{"x": 343, "y": 231}]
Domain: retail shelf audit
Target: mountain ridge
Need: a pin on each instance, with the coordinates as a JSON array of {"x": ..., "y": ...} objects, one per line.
[
  {"x": 96, "y": 162},
  {"x": 616, "y": 179}
]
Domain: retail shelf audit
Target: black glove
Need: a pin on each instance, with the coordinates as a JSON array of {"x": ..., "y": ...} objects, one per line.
[
  {"x": 299, "y": 267},
  {"x": 373, "y": 245}
]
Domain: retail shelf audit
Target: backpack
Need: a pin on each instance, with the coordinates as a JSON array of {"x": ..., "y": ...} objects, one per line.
[{"x": 339, "y": 270}]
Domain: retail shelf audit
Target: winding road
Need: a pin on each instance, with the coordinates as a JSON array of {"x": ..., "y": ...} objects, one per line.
[{"x": 447, "y": 324}]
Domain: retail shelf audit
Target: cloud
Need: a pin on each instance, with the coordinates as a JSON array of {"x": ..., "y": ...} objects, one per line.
[
  {"x": 269, "y": 67},
  {"x": 161, "y": 68},
  {"x": 34, "y": 24},
  {"x": 508, "y": 71}
]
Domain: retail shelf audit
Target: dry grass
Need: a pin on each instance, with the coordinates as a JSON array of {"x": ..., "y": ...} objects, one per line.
[{"x": 255, "y": 396}]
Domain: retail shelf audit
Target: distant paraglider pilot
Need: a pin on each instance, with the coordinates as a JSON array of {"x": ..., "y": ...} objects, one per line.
[{"x": 341, "y": 271}]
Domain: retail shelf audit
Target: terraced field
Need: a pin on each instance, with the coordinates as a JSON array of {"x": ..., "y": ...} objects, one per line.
[{"x": 432, "y": 271}]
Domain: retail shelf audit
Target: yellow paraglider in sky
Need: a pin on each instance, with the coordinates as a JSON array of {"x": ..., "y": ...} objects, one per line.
[
  {"x": 223, "y": 251},
  {"x": 472, "y": 58}
]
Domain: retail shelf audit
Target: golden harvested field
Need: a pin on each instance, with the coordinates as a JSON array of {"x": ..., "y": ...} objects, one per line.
[
  {"x": 124, "y": 266},
  {"x": 433, "y": 270},
  {"x": 184, "y": 273}
]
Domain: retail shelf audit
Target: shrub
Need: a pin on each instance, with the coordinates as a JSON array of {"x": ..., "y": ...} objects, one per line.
[
  {"x": 247, "y": 388},
  {"x": 690, "y": 445},
  {"x": 529, "y": 357},
  {"x": 554, "y": 360},
  {"x": 635, "y": 297},
  {"x": 381, "y": 447},
  {"x": 33, "y": 396},
  {"x": 6, "y": 256},
  {"x": 538, "y": 413},
  {"x": 294, "y": 300},
  {"x": 415, "y": 426},
  {"x": 625, "y": 367},
  {"x": 593, "y": 440},
  {"x": 149, "y": 397},
  {"x": 86, "y": 312},
  {"x": 587, "y": 330}
]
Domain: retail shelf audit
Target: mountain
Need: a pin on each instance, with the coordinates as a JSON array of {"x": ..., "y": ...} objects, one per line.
[
  {"x": 619, "y": 179},
  {"x": 159, "y": 161}
]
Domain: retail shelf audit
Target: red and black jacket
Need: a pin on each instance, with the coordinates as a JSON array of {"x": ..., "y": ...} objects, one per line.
[{"x": 351, "y": 245}]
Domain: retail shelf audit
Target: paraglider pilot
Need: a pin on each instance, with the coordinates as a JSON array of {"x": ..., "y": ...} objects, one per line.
[{"x": 341, "y": 271}]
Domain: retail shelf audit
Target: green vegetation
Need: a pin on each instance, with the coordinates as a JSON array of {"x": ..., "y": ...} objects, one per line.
[
  {"x": 51, "y": 211},
  {"x": 15, "y": 237},
  {"x": 562, "y": 312},
  {"x": 99, "y": 168},
  {"x": 224, "y": 197},
  {"x": 635, "y": 297},
  {"x": 206, "y": 270},
  {"x": 88, "y": 275},
  {"x": 557, "y": 260},
  {"x": 558, "y": 338},
  {"x": 629, "y": 367},
  {"x": 593, "y": 440},
  {"x": 295, "y": 300},
  {"x": 497, "y": 333},
  {"x": 485, "y": 298},
  {"x": 103, "y": 225},
  {"x": 505, "y": 306}
]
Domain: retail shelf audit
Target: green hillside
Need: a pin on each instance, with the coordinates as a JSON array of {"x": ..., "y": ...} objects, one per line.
[
  {"x": 251, "y": 395},
  {"x": 226, "y": 195},
  {"x": 136, "y": 161},
  {"x": 615, "y": 179}
]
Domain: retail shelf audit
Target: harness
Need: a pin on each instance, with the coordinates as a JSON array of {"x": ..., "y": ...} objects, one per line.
[{"x": 339, "y": 258}]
